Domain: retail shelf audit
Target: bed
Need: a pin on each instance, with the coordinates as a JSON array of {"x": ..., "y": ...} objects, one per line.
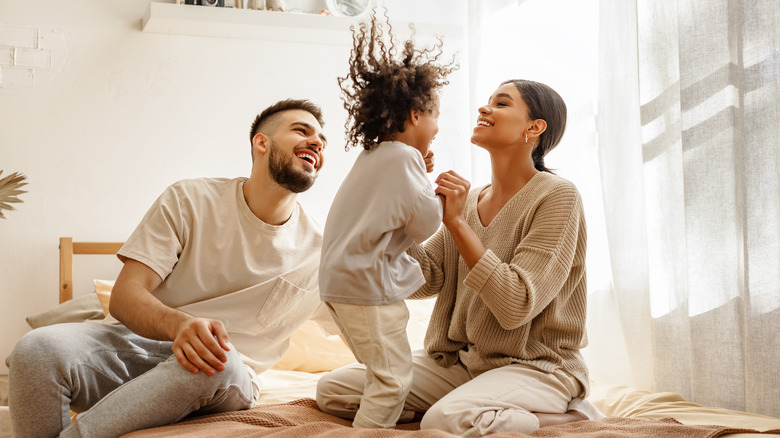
[{"x": 286, "y": 407}]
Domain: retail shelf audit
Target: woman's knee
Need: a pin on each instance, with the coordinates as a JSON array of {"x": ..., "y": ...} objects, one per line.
[
  {"x": 339, "y": 391},
  {"x": 441, "y": 416},
  {"x": 326, "y": 392}
]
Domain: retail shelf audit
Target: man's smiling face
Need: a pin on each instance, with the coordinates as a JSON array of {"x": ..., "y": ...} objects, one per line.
[{"x": 295, "y": 150}]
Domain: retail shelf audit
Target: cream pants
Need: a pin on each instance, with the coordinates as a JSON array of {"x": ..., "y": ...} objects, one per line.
[
  {"x": 377, "y": 337},
  {"x": 499, "y": 400}
]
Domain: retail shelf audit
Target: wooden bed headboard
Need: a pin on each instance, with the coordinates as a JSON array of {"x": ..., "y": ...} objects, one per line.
[{"x": 67, "y": 249}]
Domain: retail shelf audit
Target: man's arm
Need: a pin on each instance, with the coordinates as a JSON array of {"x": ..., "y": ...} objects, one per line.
[{"x": 198, "y": 343}]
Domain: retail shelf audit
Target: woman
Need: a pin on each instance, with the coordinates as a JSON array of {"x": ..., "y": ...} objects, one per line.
[{"x": 508, "y": 269}]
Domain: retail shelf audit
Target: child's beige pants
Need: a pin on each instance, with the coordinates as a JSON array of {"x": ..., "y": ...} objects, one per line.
[{"x": 377, "y": 337}]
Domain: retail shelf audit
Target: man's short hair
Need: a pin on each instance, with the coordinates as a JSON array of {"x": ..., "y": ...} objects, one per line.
[{"x": 261, "y": 121}]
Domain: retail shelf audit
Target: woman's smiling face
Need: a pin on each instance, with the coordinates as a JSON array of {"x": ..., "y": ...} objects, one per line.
[{"x": 504, "y": 120}]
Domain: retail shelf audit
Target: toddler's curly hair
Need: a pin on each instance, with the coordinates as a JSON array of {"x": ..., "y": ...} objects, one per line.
[{"x": 381, "y": 88}]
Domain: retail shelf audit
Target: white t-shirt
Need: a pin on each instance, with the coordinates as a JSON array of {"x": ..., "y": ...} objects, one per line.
[
  {"x": 384, "y": 205},
  {"x": 218, "y": 260}
]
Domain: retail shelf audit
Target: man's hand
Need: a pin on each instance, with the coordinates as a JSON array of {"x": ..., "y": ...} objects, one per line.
[
  {"x": 200, "y": 345},
  {"x": 428, "y": 161}
]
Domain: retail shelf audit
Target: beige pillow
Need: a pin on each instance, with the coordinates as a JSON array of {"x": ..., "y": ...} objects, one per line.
[
  {"x": 313, "y": 351},
  {"x": 79, "y": 309},
  {"x": 103, "y": 290}
]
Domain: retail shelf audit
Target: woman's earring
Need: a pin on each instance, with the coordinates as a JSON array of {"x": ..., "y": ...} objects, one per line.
[{"x": 526, "y": 138}]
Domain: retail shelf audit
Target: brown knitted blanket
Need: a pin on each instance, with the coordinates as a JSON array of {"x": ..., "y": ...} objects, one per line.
[{"x": 302, "y": 418}]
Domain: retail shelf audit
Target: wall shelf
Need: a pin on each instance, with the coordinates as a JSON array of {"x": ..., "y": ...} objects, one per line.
[
  {"x": 170, "y": 18},
  {"x": 180, "y": 19}
]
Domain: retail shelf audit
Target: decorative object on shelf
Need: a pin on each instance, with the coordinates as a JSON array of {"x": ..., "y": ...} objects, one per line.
[
  {"x": 274, "y": 5},
  {"x": 349, "y": 8},
  {"x": 9, "y": 190},
  {"x": 215, "y": 3},
  {"x": 268, "y": 5}
]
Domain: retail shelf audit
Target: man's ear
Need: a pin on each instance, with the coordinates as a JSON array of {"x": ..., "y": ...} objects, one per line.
[{"x": 260, "y": 143}]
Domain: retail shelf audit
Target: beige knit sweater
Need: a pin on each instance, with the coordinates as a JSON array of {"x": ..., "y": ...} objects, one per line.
[{"x": 525, "y": 299}]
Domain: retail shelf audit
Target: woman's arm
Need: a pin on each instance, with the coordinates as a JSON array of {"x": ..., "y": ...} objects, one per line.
[
  {"x": 550, "y": 254},
  {"x": 516, "y": 292},
  {"x": 430, "y": 256},
  {"x": 455, "y": 189}
]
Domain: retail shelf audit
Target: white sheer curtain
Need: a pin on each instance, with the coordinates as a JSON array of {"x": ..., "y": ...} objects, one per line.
[{"x": 689, "y": 147}]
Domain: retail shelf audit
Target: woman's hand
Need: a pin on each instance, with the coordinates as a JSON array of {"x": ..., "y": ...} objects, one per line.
[{"x": 455, "y": 189}]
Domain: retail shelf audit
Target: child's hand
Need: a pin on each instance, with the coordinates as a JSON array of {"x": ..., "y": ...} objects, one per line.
[{"x": 429, "y": 161}]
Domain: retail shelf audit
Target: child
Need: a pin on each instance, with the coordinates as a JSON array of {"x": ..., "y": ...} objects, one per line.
[{"x": 384, "y": 204}]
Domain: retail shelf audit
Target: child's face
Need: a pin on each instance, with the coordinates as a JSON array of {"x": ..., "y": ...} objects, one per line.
[{"x": 428, "y": 128}]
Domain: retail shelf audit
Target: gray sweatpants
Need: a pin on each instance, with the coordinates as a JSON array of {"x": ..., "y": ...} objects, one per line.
[{"x": 115, "y": 380}]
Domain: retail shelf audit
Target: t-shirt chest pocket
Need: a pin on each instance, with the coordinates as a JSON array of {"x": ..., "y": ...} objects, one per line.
[{"x": 282, "y": 300}]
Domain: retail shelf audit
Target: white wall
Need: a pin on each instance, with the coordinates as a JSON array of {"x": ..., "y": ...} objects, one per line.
[{"x": 119, "y": 114}]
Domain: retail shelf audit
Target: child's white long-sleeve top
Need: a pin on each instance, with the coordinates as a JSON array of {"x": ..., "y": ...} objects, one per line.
[{"x": 384, "y": 205}]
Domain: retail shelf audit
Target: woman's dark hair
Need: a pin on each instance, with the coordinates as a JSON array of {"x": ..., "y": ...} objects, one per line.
[
  {"x": 380, "y": 90},
  {"x": 543, "y": 103}
]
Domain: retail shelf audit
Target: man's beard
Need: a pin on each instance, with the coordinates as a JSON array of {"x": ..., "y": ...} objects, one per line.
[{"x": 285, "y": 174}]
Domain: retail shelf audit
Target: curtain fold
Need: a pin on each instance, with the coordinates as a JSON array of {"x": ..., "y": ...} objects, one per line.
[
  {"x": 692, "y": 193},
  {"x": 620, "y": 162}
]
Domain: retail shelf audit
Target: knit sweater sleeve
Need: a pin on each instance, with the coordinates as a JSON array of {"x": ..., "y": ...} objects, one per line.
[
  {"x": 517, "y": 291},
  {"x": 430, "y": 255}
]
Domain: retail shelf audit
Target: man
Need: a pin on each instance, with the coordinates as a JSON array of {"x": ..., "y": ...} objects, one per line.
[{"x": 216, "y": 277}]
